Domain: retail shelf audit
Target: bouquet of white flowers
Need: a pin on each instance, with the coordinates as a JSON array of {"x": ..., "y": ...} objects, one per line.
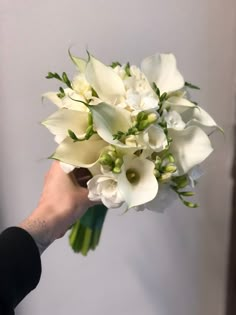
[{"x": 135, "y": 130}]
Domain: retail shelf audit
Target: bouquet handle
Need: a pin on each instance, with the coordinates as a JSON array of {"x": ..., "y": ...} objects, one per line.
[{"x": 86, "y": 232}]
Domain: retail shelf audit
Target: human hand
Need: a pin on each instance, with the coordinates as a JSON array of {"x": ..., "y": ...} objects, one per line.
[{"x": 63, "y": 201}]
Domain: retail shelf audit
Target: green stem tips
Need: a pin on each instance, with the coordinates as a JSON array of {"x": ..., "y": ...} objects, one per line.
[{"x": 86, "y": 232}]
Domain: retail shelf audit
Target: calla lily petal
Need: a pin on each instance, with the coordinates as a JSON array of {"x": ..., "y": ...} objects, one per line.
[
  {"x": 179, "y": 104},
  {"x": 108, "y": 120},
  {"x": 197, "y": 116},
  {"x": 74, "y": 101},
  {"x": 133, "y": 192},
  {"x": 104, "y": 80},
  {"x": 80, "y": 154},
  {"x": 190, "y": 147},
  {"x": 165, "y": 198},
  {"x": 162, "y": 69},
  {"x": 67, "y": 101},
  {"x": 64, "y": 119},
  {"x": 79, "y": 62},
  {"x": 52, "y": 96}
]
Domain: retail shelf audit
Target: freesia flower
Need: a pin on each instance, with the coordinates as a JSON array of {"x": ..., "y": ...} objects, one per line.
[
  {"x": 105, "y": 188},
  {"x": 173, "y": 120},
  {"x": 155, "y": 138}
]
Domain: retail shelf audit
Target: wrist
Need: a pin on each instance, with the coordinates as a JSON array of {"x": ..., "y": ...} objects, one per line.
[{"x": 41, "y": 225}]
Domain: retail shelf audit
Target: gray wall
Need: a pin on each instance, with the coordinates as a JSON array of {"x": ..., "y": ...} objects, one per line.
[{"x": 166, "y": 264}]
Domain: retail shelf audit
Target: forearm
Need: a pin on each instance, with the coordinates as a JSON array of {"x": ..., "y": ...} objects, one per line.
[{"x": 47, "y": 224}]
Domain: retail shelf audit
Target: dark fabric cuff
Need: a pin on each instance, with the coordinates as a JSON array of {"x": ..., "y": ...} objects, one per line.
[{"x": 20, "y": 265}]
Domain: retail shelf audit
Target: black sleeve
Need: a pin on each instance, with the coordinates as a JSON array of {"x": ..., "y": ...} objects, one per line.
[{"x": 20, "y": 267}]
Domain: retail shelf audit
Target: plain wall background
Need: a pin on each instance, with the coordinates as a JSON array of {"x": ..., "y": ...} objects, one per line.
[{"x": 167, "y": 264}]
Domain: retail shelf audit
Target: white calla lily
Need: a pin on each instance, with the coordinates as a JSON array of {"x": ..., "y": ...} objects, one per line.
[
  {"x": 71, "y": 100},
  {"x": 104, "y": 80},
  {"x": 179, "y": 104},
  {"x": 81, "y": 153},
  {"x": 162, "y": 70},
  {"x": 136, "y": 182},
  {"x": 79, "y": 62},
  {"x": 190, "y": 147},
  {"x": 65, "y": 119},
  {"x": 74, "y": 101},
  {"x": 52, "y": 97},
  {"x": 165, "y": 198},
  {"x": 197, "y": 116},
  {"x": 108, "y": 120}
]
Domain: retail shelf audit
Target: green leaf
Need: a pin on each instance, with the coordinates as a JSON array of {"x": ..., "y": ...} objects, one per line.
[
  {"x": 94, "y": 93},
  {"x": 61, "y": 94},
  {"x": 115, "y": 64},
  {"x": 127, "y": 69},
  {"x": 163, "y": 97},
  {"x": 156, "y": 89},
  {"x": 72, "y": 135},
  {"x": 66, "y": 80},
  {"x": 191, "y": 86},
  {"x": 53, "y": 76},
  {"x": 180, "y": 181},
  {"x": 187, "y": 193},
  {"x": 190, "y": 204}
]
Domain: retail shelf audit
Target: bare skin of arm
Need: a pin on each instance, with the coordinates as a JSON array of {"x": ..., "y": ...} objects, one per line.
[{"x": 62, "y": 202}]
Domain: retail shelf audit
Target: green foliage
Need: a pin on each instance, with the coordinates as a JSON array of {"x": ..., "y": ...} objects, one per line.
[
  {"x": 115, "y": 64},
  {"x": 61, "y": 93},
  {"x": 86, "y": 232},
  {"x": 127, "y": 69},
  {"x": 191, "y": 86},
  {"x": 156, "y": 89},
  {"x": 181, "y": 182},
  {"x": 72, "y": 135},
  {"x": 63, "y": 78}
]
